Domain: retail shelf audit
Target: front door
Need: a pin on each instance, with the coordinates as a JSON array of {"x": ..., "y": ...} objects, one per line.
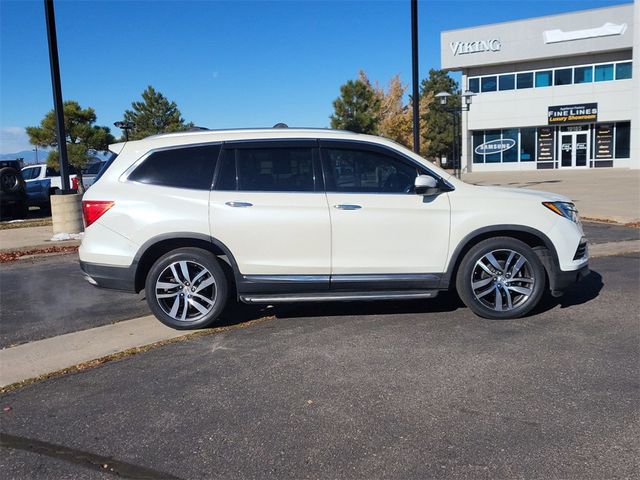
[
  {"x": 382, "y": 233},
  {"x": 574, "y": 150}
]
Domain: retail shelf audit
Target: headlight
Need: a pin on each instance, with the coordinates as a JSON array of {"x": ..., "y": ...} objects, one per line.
[{"x": 565, "y": 209}]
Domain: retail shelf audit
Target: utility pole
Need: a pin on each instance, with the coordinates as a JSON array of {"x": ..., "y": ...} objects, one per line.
[
  {"x": 57, "y": 97},
  {"x": 414, "y": 71}
]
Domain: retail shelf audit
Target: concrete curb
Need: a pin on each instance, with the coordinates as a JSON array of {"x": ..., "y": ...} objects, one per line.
[
  {"x": 41, "y": 357},
  {"x": 614, "y": 248}
]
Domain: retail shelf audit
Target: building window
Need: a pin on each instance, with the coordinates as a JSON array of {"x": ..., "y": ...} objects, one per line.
[
  {"x": 478, "y": 139},
  {"x": 474, "y": 85},
  {"x": 507, "y": 82},
  {"x": 583, "y": 75},
  {"x": 563, "y": 76},
  {"x": 510, "y": 154},
  {"x": 604, "y": 72},
  {"x": 527, "y": 144},
  {"x": 490, "y": 135},
  {"x": 623, "y": 136},
  {"x": 623, "y": 71},
  {"x": 543, "y": 79},
  {"x": 525, "y": 80},
  {"x": 489, "y": 84}
]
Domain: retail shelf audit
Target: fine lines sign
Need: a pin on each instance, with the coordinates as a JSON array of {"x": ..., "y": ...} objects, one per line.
[{"x": 585, "y": 112}]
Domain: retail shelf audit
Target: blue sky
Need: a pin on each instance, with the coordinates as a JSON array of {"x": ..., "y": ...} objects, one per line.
[{"x": 226, "y": 64}]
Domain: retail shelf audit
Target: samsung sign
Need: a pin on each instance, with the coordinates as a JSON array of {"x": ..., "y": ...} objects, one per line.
[
  {"x": 462, "y": 48},
  {"x": 495, "y": 146}
]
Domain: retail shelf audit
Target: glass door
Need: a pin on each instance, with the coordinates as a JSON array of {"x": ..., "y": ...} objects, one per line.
[{"x": 574, "y": 150}]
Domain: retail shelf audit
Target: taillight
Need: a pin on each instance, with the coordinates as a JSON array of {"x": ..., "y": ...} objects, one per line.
[{"x": 92, "y": 210}]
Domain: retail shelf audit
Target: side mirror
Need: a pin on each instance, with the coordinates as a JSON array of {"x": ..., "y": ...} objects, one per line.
[{"x": 426, "y": 185}]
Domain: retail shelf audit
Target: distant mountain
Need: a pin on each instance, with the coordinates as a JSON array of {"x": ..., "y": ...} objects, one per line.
[{"x": 28, "y": 156}]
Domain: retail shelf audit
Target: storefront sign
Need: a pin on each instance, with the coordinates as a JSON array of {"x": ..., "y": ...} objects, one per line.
[
  {"x": 462, "y": 48},
  {"x": 586, "y": 112},
  {"x": 604, "y": 141},
  {"x": 495, "y": 146},
  {"x": 545, "y": 144}
]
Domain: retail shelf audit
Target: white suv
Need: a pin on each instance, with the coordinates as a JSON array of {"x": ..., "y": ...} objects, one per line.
[{"x": 289, "y": 215}]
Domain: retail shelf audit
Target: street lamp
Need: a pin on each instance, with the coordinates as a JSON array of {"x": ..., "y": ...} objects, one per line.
[
  {"x": 465, "y": 105},
  {"x": 35, "y": 150},
  {"x": 125, "y": 126}
]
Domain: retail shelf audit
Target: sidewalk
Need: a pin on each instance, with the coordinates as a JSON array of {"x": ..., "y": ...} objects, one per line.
[
  {"x": 599, "y": 194},
  {"x": 12, "y": 239}
]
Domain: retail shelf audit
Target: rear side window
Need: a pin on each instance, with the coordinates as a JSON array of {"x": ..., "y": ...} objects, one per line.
[
  {"x": 30, "y": 173},
  {"x": 267, "y": 170},
  {"x": 189, "y": 167}
]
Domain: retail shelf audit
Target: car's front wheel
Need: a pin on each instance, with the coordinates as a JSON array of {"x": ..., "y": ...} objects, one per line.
[
  {"x": 501, "y": 278},
  {"x": 186, "y": 288}
]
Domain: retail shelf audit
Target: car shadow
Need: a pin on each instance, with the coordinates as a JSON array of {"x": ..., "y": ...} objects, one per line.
[{"x": 236, "y": 313}]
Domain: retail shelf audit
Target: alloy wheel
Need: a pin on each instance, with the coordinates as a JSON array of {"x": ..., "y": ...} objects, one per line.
[
  {"x": 186, "y": 291},
  {"x": 502, "y": 280}
]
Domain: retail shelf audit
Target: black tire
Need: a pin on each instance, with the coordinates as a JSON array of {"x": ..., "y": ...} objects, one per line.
[
  {"x": 215, "y": 293},
  {"x": 21, "y": 210},
  {"x": 495, "y": 292},
  {"x": 11, "y": 180}
]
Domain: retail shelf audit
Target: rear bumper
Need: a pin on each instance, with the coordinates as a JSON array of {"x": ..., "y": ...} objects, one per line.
[{"x": 107, "y": 276}]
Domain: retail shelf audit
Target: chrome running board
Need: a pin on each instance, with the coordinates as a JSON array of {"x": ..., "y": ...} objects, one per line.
[{"x": 338, "y": 296}]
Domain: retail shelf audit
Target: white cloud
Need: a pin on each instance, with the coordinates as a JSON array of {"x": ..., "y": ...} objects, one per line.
[{"x": 13, "y": 140}]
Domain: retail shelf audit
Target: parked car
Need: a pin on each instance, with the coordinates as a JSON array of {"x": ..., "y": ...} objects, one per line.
[
  {"x": 90, "y": 173},
  {"x": 42, "y": 182},
  {"x": 301, "y": 215},
  {"x": 13, "y": 197}
]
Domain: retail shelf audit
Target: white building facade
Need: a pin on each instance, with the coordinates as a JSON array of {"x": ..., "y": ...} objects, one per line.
[{"x": 561, "y": 91}]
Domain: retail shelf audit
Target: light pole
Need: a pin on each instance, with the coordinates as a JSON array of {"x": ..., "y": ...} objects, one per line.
[
  {"x": 125, "y": 126},
  {"x": 415, "y": 76},
  {"x": 35, "y": 150},
  {"x": 456, "y": 111}
]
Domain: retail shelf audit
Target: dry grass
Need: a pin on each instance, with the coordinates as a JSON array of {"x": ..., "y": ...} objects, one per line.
[
  {"x": 38, "y": 222},
  {"x": 17, "y": 254}
]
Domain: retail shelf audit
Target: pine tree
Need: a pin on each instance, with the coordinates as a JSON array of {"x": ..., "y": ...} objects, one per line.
[
  {"x": 438, "y": 123},
  {"x": 83, "y": 137},
  {"x": 357, "y": 108},
  {"x": 153, "y": 115}
]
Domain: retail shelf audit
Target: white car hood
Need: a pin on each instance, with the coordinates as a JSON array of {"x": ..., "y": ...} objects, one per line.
[{"x": 523, "y": 193}]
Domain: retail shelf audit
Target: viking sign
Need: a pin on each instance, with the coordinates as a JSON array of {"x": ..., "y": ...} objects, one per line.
[
  {"x": 495, "y": 146},
  {"x": 462, "y": 48},
  {"x": 586, "y": 112}
]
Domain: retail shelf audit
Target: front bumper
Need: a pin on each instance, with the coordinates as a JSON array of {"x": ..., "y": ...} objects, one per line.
[{"x": 560, "y": 280}]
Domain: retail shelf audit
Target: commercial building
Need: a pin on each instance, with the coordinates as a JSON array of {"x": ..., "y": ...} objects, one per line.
[{"x": 560, "y": 91}]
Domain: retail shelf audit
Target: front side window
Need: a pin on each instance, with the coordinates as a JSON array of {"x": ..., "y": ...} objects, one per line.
[
  {"x": 489, "y": 84},
  {"x": 489, "y": 136},
  {"x": 30, "y": 173},
  {"x": 510, "y": 154},
  {"x": 563, "y": 76},
  {"x": 623, "y": 70},
  {"x": 478, "y": 139},
  {"x": 189, "y": 167},
  {"x": 525, "y": 80},
  {"x": 507, "y": 82},
  {"x": 527, "y": 144},
  {"x": 543, "y": 79},
  {"x": 364, "y": 171},
  {"x": 623, "y": 139},
  {"x": 474, "y": 85},
  {"x": 604, "y": 72},
  {"x": 275, "y": 169}
]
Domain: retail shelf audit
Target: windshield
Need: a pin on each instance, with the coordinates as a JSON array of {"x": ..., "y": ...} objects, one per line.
[{"x": 105, "y": 165}]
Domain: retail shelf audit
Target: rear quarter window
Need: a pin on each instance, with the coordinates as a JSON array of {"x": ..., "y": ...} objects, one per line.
[{"x": 188, "y": 167}]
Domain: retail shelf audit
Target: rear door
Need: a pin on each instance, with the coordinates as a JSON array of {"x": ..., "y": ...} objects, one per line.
[
  {"x": 269, "y": 208},
  {"x": 382, "y": 232}
]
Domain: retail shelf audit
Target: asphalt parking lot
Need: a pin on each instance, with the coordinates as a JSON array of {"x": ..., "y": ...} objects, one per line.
[{"x": 376, "y": 390}]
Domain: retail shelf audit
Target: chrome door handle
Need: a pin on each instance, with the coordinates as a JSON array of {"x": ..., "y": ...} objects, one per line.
[
  {"x": 239, "y": 204},
  {"x": 348, "y": 207}
]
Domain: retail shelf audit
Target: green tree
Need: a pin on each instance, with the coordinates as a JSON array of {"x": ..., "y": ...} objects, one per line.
[
  {"x": 83, "y": 137},
  {"x": 438, "y": 123},
  {"x": 358, "y": 107},
  {"x": 153, "y": 115}
]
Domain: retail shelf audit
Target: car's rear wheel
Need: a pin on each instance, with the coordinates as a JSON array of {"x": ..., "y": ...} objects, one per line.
[
  {"x": 501, "y": 278},
  {"x": 186, "y": 288}
]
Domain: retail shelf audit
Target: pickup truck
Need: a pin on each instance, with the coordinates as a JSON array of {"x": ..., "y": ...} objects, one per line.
[{"x": 42, "y": 182}]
